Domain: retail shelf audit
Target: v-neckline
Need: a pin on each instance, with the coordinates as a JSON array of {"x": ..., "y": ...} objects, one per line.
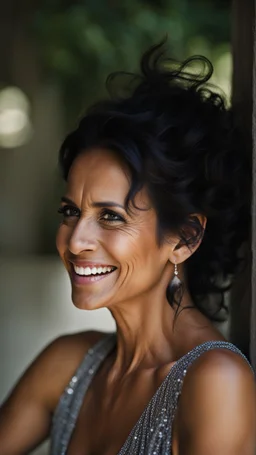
[
  {"x": 159, "y": 388},
  {"x": 109, "y": 343}
]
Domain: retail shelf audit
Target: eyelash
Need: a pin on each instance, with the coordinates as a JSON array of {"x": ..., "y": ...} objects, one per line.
[
  {"x": 63, "y": 210},
  {"x": 112, "y": 214}
]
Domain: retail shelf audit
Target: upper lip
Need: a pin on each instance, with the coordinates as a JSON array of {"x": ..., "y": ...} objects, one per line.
[{"x": 91, "y": 264}]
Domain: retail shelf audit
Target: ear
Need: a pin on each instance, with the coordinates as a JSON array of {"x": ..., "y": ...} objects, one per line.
[{"x": 192, "y": 235}]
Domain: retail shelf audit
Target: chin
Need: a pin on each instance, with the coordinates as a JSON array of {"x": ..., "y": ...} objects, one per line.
[{"x": 83, "y": 302}]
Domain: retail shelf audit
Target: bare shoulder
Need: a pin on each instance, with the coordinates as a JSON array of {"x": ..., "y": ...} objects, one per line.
[
  {"x": 36, "y": 394},
  {"x": 217, "y": 375},
  {"x": 61, "y": 358},
  {"x": 69, "y": 350},
  {"x": 49, "y": 373},
  {"x": 74, "y": 346},
  {"x": 221, "y": 362},
  {"x": 217, "y": 407}
]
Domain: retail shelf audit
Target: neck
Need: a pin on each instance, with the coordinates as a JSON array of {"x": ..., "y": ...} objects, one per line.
[{"x": 146, "y": 333}]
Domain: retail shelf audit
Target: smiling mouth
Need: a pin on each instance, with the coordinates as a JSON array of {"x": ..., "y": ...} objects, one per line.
[{"x": 93, "y": 271}]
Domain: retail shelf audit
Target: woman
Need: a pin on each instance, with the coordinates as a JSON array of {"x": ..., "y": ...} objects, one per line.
[{"x": 153, "y": 216}]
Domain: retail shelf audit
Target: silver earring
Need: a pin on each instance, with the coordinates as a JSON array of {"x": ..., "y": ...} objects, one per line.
[{"x": 175, "y": 281}]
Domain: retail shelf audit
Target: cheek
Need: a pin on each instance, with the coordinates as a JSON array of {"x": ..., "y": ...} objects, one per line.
[
  {"x": 123, "y": 244},
  {"x": 133, "y": 248}
]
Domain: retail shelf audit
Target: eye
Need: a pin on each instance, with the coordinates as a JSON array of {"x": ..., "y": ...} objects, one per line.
[
  {"x": 68, "y": 211},
  {"x": 110, "y": 216}
]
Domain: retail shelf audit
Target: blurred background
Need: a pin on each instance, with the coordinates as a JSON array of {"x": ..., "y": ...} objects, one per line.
[{"x": 55, "y": 56}]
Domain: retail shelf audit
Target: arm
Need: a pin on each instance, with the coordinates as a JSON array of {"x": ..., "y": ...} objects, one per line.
[
  {"x": 25, "y": 417},
  {"x": 217, "y": 408}
]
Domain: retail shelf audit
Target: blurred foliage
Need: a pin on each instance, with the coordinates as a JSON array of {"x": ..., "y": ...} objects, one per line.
[
  {"x": 82, "y": 42},
  {"x": 78, "y": 43}
]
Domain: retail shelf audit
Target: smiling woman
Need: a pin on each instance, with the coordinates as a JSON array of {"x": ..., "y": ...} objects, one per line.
[
  {"x": 154, "y": 213},
  {"x": 121, "y": 240}
]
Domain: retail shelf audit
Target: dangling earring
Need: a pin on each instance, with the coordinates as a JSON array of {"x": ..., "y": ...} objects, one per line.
[
  {"x": 175, "y": 289},
  {"x": 175, "y": 281}
]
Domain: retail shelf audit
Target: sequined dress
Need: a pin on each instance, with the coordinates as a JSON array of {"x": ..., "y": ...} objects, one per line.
[{"x": 152, "y": 434}]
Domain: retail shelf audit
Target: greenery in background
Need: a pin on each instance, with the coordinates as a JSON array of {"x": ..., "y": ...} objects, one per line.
[{"x": 81, "y": 42}]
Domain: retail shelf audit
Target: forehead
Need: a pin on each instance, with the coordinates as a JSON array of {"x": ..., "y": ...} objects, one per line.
[{"x": 99, "y": 170}]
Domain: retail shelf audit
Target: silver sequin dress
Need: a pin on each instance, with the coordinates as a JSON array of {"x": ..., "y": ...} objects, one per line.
[{"x": 151, "y": 435}]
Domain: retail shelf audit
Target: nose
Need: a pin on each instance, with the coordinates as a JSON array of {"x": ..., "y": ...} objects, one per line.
[{"x": 83, "y": 237}]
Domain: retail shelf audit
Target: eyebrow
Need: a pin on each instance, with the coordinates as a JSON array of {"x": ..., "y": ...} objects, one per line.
[{"x": 95, "y": 204}]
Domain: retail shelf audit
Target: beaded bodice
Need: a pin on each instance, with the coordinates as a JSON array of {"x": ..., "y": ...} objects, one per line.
[{"x": 152, "y": 434}]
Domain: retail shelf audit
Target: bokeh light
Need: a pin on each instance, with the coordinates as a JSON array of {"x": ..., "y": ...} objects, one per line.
[{"x": 15, "y": 124}]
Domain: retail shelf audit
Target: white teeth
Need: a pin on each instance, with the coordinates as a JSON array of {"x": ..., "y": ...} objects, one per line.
[{"x": 87, "y": 271}]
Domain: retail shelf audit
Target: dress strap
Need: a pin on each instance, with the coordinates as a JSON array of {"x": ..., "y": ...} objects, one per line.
[{"x": 70, "y": 402}]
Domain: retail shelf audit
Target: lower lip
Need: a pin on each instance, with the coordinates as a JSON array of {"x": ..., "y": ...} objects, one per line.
[{"x": 82, "y": 279}]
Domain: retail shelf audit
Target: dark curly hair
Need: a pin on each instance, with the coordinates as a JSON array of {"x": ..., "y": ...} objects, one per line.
[{"x": 179, "y": 140}]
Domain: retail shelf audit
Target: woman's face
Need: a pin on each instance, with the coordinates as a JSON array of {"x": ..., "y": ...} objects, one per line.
[{"x": 112, "y": 256}]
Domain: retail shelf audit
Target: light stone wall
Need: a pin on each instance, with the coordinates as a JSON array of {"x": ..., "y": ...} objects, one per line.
[{"x": 35, "y": 308}]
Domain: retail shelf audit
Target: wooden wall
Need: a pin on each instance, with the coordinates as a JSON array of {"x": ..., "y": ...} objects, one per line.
[{"x": 243, "y": 297}]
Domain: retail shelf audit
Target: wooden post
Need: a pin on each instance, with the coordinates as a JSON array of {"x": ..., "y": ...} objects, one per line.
[
  {"x": 243, "y": 296},
  {"x": 253, "y": 309}
]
